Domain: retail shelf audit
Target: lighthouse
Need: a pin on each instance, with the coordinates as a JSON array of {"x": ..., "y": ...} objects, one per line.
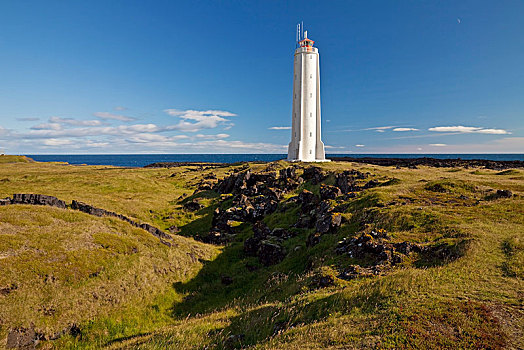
[{"x": 306, "y": 144}]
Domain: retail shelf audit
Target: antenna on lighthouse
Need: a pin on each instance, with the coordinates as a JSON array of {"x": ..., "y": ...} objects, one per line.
[{"x": 298, "y": 33}]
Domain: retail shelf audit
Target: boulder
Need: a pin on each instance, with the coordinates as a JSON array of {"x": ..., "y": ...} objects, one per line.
[
  {"x": 270, "y": 253},
  {"x": 329, "y": 192},
  {"x": 345, "y": 182},
  {"x": 503, "y": 194},
  {"x": 193, "y": 205},
  {"x": 328, "y": 222},
  {"x": 260, "y": 230}
]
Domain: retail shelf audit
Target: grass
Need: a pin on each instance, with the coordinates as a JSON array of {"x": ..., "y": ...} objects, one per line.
[
  {"x": 14, "y": 159},
  {"x": 126, "y": 290}
]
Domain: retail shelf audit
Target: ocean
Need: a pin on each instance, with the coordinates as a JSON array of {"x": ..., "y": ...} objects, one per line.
[{"x": 140, "y": 160}]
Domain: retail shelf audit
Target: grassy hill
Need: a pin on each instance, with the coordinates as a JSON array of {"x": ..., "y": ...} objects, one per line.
[
  {"x": 14, "y": 159},
  {"x": 117, "y": 286}
]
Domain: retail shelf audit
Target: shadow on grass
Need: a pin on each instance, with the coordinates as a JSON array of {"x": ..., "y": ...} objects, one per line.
[
  {"x": 442, "y": 253},
  {"x": 257, "y": 325}
]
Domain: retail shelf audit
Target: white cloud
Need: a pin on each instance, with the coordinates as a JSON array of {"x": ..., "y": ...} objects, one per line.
[
  {"x": 47, "y": 126},
  {"x": 212, "y": 137},
  {"x": 95, "y": 144},
  {"x": 438, "y": 144},
  {"x": 111, "y": 116},
  {"x": 75, "y": 122},
  {"x": 120, "y": 108},
  {"x": 280, "y": 128},
  {"x": 57, "y": 142},
  {"x": 193, "y": 121},
  {"x": 379, "y": 128},
  {"x": 360, "y": 145},
  {"x": 405, "y": 129},
  {"x": 469, "y": 129}
]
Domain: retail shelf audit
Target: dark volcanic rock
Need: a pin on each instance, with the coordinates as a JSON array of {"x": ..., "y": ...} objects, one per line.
[
  {"x": 308, "y": 200},
  {"x": 503, "y": 194},
  {"x": 329, "y": 192},
  {"x": 193, "y": 206},
  {"x": 439, "y": 163},
  {"x": 37, "y": 199},
  {"x": 89, "y": 209},
  {"x": 287, "y": 173},
  {"x": 346, "y": 180},
  {"x": 270, "y": 253},
  {"x": 356, "y": 271},
  {"x": 323, "y": 281},
  {"x": 217, "y": 236},
  {"x": 260, "y": 230},
  {"x": 328, "y": 222},
  {"x": 313, "y": 174}
]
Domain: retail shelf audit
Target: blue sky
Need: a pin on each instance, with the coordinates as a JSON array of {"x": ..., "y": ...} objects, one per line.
[{"x": 216, "y": 76}]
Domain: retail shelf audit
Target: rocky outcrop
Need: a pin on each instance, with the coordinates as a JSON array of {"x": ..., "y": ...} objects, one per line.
[
  {"x": 380, "y": 254},
  {"x": 264, "y": 244},
  {"x": 346, "y": 180},
  {"x": 329, "y": 192},
  {"x": 37, "y": 199},
  {"x": 91, "y": 210},
  {"x": 313, "y": 174},
  {"x": 438, "y": 163},
  {"x": 41, "y": 199}
]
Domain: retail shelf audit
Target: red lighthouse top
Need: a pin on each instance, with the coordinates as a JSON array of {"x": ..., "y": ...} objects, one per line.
[{"x": 306, "y": 42}]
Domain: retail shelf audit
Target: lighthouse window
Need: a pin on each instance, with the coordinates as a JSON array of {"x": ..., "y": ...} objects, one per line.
[
  {"x": 310, "y": 134},
  {"x": 310, "y": 114},
  {"x": 311, "y": 76},
  {"x": 310, "y": 151},
  {"x": 310, "y": 94}
]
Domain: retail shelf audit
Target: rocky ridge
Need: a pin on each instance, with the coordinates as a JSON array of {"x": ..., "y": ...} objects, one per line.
[{"x": 41, "y": 199}]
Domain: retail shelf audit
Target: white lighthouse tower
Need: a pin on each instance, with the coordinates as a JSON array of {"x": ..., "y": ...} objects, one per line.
[{"x": 306, "y": 145}]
